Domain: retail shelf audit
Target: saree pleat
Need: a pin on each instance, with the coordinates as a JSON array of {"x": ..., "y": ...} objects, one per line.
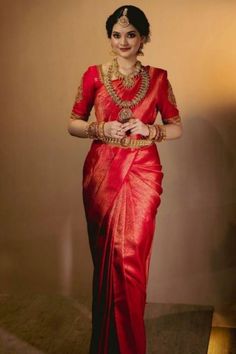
[{"x": 121, "y": 201}]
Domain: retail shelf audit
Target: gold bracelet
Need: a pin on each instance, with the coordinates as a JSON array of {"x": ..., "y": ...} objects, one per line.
[
  {"x": 95, "y": 130},
  {"x": 92, "y": 130},
  {"x": 161, "y": 133},
  {"x": 86, "y": 130},
  {"x": 163, "y": 127},
  {"x": 152, "y": 132},
  {"x": 101, "y": 133},
  {"x": 158, "y": 134}
]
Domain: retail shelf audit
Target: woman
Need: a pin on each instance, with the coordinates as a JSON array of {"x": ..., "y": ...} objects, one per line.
[{"x": 122, "y": 178}]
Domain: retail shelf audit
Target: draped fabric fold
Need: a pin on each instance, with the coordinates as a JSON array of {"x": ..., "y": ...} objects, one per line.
[{"x": 121, "y": 201}]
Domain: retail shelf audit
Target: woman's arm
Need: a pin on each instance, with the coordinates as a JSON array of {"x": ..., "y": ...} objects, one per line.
[
  {"x": 78, "y": 128},
  {"x": 173, "y": 131}
]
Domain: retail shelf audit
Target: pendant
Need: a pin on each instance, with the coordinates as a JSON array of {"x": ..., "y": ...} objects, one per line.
[{"x": 124, "y": 115}]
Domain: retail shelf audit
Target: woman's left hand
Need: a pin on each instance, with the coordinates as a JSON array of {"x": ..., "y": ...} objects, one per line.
[{"x": 135, "y": 126}]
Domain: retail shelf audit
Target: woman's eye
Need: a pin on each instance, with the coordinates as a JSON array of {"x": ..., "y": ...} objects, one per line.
[
  {"x": 116, "y": 35},
  {"x": 131, "y": 35}
]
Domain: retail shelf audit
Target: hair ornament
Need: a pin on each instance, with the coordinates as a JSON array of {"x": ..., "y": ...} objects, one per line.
[{"x": 123, "y": 20}]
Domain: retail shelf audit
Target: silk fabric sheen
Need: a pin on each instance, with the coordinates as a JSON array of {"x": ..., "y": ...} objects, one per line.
[{"x": 121, "y": 194}]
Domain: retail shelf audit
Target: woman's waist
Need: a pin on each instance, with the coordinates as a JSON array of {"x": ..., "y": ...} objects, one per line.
[{"x": 128, "y": 141}]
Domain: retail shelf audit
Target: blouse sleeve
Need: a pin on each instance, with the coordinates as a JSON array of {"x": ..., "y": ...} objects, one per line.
[
  {"x": 167, "y": 102},
  {"x": 85, "y": 96}
]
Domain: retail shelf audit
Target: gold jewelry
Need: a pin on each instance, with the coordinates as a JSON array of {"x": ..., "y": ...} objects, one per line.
[
  {"x": 152, "y": 132},
  {"x": 101, "y": 133},
  {"x": 92, "y": 130},
  {"x": 126, "y": 105},
  {"x": 112, "y": 53},
  {"x": 86, "y": 131},
  {"x": 95, "y": 130},
  {"x": 127, "y": 80},
  {"x": 161, "y": 133},
  {"x": 123, "y": 20},
  {"x": 163, "y": 128},
  {"x": 140, "y": 51},
  {"x": 125, "y": 114},
  {"x": 127, "y": 142}
]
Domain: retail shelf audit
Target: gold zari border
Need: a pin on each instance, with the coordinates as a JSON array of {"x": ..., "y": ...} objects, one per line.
[
  {"x": 79, "y": 95},
  {"x": 76, "y": 116},
  {"x": 171, "y": 96},
  {"x": 172, "y": 120}
]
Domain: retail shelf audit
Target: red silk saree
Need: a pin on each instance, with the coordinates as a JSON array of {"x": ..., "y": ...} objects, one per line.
[{"x": 121, "y": 195}]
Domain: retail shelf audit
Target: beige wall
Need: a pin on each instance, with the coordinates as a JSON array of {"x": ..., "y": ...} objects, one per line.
[{"x": 46, "y": 45}]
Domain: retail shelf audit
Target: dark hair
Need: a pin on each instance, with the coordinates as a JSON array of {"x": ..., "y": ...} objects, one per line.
[{"x": 136, "y": 18}]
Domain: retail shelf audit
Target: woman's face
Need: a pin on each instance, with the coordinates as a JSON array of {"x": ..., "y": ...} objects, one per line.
[{"x": 125, "y": 41}]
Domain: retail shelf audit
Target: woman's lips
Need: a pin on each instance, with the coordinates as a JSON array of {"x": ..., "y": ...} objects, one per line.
[{"x": 124, "y": 49}]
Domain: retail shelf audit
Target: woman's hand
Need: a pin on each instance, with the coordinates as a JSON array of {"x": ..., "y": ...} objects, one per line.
[
  {"x": 114, "y": 129},
  {"x": 136, "y": 126}
]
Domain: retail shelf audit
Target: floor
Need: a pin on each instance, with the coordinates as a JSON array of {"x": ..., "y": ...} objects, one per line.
[
  {"x": 223, "y": 333},
  {"x": 59, "y": 325}
]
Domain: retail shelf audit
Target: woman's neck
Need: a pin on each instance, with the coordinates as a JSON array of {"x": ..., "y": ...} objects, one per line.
[{"x": 126, "y": 64}]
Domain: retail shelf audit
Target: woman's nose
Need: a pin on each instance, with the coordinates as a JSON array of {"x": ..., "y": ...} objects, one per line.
[{"x": 123, "y": 40}]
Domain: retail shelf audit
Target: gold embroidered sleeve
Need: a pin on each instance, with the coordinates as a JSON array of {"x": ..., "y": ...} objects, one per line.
[
  {"x": 171, "y": 96},
  {"x": 85, "y": 96},
  {"x": 79, "y": 95},
  {"x": 167, "y": 102},
  {"x": 172, "y": 120},
  {"x": 75, "y": 116}
]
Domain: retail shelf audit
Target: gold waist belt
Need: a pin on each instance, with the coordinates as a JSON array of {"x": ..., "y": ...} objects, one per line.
[{"x": 127, "y": 142}]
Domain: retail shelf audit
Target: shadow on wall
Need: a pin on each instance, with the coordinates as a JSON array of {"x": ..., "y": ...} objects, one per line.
[
  {"x": 195, "y": 260},
  {"x": 213, "y": 148},
  {"x": 223, "y": 256}
]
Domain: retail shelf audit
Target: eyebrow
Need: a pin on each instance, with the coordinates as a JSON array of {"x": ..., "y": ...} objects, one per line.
[{"x": 127, "y": 32}]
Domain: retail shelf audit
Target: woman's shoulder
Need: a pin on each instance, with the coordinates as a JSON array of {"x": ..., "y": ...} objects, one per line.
[
  {"x": 156, "y": 70},
  {"x": 98, "y": 70},
  {"x": 96, "y": 67}
]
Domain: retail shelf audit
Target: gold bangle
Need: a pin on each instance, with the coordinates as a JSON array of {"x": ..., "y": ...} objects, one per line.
[
  {"x": 164, "y": 132},
  {"x": 101, "y": 130},
  {"x": 92, "y": 130},
  {"x": 159, "y": 136},
  {"x": 156, "y": 131},
  {"x": 152, "y": 132},
  {"x": 161, "y": 133},
  {"x": 86, "y": 130}
]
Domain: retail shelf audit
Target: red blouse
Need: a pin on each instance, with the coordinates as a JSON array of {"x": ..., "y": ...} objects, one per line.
[{"x": 159, "y": 98}]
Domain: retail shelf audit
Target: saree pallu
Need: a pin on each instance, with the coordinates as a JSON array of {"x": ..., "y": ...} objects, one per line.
[{"x": 121, "y": 194}]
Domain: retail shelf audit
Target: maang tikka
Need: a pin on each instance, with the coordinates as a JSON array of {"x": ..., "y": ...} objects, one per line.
[{"x": 123, "y": 20}]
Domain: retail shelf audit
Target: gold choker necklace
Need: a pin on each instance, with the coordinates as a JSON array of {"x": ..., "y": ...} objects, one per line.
[
  {"x": 127, "y": 80},
  {"x": 126, "y": 113}
]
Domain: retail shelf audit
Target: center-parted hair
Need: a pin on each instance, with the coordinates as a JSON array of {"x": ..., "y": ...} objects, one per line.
[{"x": 136, "y": 17}]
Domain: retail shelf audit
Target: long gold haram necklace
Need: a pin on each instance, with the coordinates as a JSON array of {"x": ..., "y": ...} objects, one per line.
[{"x": 126, "y": 113}]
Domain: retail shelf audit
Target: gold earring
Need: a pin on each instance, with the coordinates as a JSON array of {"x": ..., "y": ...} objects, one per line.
[
  {"x": 140, "y": 51},
  {"x": 112, "y": 53}
]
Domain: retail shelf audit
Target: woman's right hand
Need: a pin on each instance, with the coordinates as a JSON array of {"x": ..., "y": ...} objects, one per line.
[{"x": 114, "y": 129}]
